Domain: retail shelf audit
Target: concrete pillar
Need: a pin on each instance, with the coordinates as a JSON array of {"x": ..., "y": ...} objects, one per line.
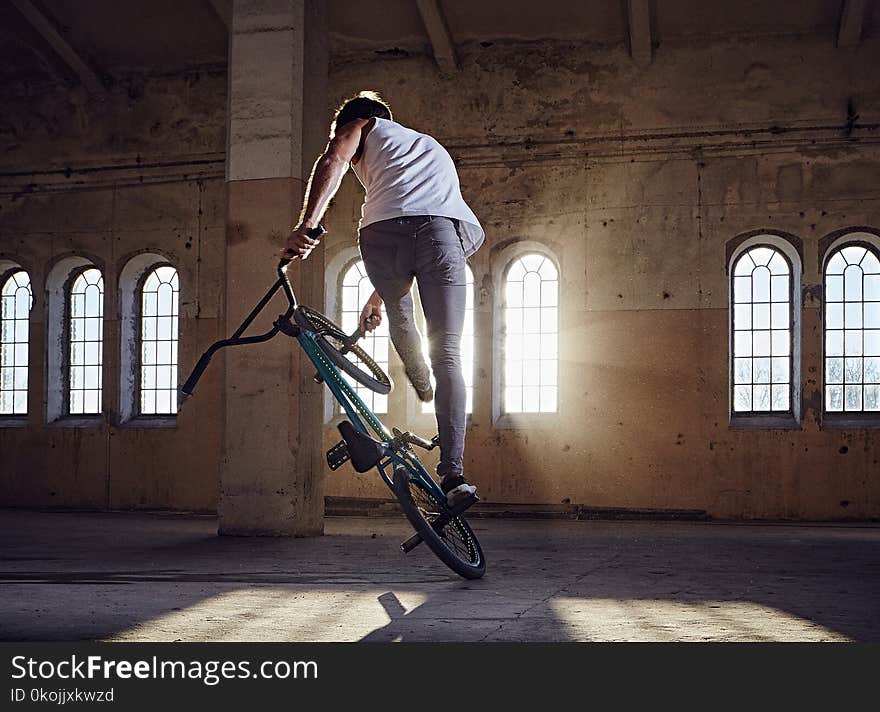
[{"x": 271, "y": 468}]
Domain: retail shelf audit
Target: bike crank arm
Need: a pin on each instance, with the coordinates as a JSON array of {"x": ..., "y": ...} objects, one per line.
[{"x": 440, "y": 522}]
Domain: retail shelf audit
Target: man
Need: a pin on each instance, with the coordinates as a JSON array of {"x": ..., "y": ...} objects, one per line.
[{"x": 414, "y": 225}]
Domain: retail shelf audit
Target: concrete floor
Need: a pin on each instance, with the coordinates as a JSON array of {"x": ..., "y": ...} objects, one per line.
[{"x": 146, "y": 577}]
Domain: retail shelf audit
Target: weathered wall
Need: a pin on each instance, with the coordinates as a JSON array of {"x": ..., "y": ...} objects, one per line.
[
  {"x": 637, "y": 178},
  {"x": 141, "y": 171}
]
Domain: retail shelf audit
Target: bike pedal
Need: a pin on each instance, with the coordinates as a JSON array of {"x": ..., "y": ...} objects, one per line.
[
  {"x": 338, "y": 455},
  {"x": 463, "y": 505}
]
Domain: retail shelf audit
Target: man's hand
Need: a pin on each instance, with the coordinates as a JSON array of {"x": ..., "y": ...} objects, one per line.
[
  {"x": 371, "y": 314},
  {"x": 299, "y": 244}
]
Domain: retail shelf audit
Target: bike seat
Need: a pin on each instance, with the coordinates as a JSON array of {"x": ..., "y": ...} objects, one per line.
[{"x": 364, "y": 452}]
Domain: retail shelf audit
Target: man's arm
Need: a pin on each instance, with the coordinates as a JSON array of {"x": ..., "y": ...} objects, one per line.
[{"x": 326, "y": 176}]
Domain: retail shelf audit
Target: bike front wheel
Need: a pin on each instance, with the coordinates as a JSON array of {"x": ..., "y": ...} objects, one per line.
[
  {"x": 454, "y": 543},
  {"x": 343, "y": 351}
]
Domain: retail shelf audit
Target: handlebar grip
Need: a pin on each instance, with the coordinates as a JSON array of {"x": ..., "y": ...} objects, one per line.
[{"x": 315, "y": 233}]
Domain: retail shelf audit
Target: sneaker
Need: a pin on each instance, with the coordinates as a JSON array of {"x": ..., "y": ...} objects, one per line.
[
  {"x": 422, "y": 384},
  {"x": 456, "y": 489}
]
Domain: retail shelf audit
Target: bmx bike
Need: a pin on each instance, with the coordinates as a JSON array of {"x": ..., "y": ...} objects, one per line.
[{"x": 366, "y": 442}]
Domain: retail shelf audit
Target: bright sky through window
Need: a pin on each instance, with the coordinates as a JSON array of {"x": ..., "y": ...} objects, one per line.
[
  {"x": 159, "y": 341},
  {"x": 852, "y": 331},
  {"x": 531, "y": 341},
  {"x": 356, "y": 289},
  {"x": 85, "y": 380},
  {"x": 761, "y": 332},
  {"x": 14, "y": 323}
]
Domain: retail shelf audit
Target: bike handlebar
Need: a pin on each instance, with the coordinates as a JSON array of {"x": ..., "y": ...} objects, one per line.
[{"x": 315, "y": 233}]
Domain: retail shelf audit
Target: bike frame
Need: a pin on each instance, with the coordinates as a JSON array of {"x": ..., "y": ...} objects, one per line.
[{"x": 397, "y": 453}]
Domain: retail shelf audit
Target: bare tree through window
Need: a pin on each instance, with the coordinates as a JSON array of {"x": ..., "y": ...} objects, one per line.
[
  {"x": 160, "y": 297},
  {"x": 86, "y": 340},
  {"x": 17, "y": 300},
  {"x": 852, "y": 330}
]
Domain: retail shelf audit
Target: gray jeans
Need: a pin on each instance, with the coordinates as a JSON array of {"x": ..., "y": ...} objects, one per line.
[{"x": 429, "y": 250}]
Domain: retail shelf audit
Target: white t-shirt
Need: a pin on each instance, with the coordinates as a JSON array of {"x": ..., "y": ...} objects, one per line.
[{"x": 408, "y": 173}]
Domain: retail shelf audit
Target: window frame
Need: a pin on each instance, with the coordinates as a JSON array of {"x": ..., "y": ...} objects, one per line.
[
  {"x": 158, "y": 419},
  {"x": 334, "y": 276},
  {"x": 66, "y": 415},
  {"x": 500, "y": 269},
  {"x": 844, "y": 420},
  {"x": 772, "y": 420},
  {"x": 8, "y": 268}
]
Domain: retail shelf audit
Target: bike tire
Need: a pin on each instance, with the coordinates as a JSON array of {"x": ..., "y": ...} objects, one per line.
[
  {"x": 335, "y": 344},
  {"x": 456, "y": 545}
]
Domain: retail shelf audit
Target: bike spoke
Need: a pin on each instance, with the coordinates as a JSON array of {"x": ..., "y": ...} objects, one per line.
[{"x": 452, "y": 534}]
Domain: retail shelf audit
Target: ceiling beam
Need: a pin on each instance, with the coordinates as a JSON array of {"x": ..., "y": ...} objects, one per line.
[
  {"x": 48, "y": 31},
  {"x": 438, "y": 32},
  {"x": 223, "y": 10},
  {"x": 852, "y": 17},
  {"x": 639, "y": 16}
]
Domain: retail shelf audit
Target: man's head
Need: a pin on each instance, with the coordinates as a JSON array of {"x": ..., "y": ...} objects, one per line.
[{"x": 365, "y": 105}]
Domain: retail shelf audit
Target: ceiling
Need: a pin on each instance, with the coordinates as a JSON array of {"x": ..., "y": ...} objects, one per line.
[{"x": 167, "y": 35}]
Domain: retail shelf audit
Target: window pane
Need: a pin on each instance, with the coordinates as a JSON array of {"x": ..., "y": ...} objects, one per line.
[
  {"x": 356, "y": 289},
  {"x": 742, "y": 289},
  {"x": 15, "y": 305},
  {"x": 853, "y": 315},
  {"x": 762, "y": 370},
  {"x": 85, "y": 350},
  {"x": 852, "y": 286},
  {"x": 781, "y": 345},
  {"x": 742, "y": 343},
  {"x": 160, "y": 295},
  {"x": 780, "y": 372},
  {"x": 761, "y": 397},
  {"x": 780, "y": 395},
  {"x": 872, "y": 369},
  {"x": 834, "y": 370},
  {"x": 779, "y": 317},
  {"x": 761, "y": 343},
  {"x": 852, "y": 398},
  {"x": 872, "y": 398},
  {"x": 853, "y": 342},
  {"x": 852, "y": 372},
  {"x": 834, "y": 398},
  {"x": 779, "y": 289},
  {"x": 834, "y": 316},
  {"x": 833, "y": 289},
  {"x": 761, "y": 285},
  {"x": 834, "y": 343},
  {"x": 742, "y": 398},
  {"x": 761, "y": 316},
  {"x": 742, "y": 316},
  {"x": 742, "y": 370}
]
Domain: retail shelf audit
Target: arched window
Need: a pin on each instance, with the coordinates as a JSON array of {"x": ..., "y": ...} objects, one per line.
[
  {"x": 356, "y": 289},
  {"x": 761, "y": 323},
  {"x": 17, "y": 299},
  {"x": 159, "y": 336},
  {"x": 852, "y": 330},
  {"x": 467, "y": 346},
  {"x": 86, "y": 343},
  {"x": 531, "y": 335}
]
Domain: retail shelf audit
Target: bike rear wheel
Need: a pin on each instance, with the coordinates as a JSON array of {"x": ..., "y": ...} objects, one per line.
[
  {"x": 455, "y": 543},
  {"x": 345, "y": 353}
]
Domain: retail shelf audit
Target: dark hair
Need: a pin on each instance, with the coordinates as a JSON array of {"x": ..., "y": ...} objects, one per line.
[{"x": 365, "y": 105}]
